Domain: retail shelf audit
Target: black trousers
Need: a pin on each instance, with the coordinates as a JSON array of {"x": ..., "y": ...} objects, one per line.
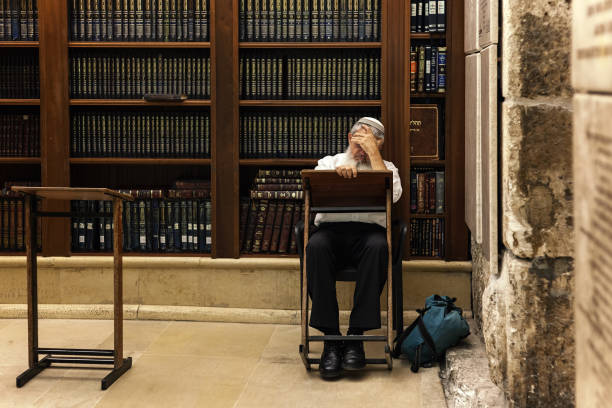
[{"x": 332, "y": 246}]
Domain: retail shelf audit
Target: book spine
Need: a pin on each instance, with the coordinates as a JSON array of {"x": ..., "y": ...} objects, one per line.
[
  {"x": 284, "y": 239},
  {"x": 291, "y": 21},
  {"x": 298, "y": 20},
  {"x": 441, "y": 85},
  {"x": 413, "y": 69},
  {"x": 433, "y": 16},
  {"x": 306, "y": 21},
  {"x": 421, "y": 70},
  {"x": 427, "y": 78},
  {"x": 315, "y": 21},
  {"x": 208, "y": 207},
  {"x": 297, "y": 212},
  {"x": 276, "y": 227},
  {"x": 434, "y": 69},
  {"x": 439, "y": 192},
  {"x": 268, "y": 225},
  {"x": 250, "y": 226},
  {"x": 441, "y": 16}
]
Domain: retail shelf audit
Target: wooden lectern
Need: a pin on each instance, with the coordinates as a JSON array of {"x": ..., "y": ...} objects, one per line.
[
  {"x": 73, "y": 356},
  {"x": 327, "y": 192}
]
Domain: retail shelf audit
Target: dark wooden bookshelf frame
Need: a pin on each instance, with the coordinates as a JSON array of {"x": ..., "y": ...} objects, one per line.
[
  {"x": 455, "y": 234},
  {"x": 225, "y": 104}
]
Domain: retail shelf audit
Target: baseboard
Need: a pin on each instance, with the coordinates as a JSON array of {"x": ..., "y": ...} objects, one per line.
[{"x": 162, "y": 312}]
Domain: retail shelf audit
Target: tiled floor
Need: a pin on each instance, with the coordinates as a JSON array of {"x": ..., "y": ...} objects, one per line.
[{"x": 193, "y": 364}]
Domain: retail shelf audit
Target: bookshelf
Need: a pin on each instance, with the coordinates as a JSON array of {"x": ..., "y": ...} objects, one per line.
[
  {"x": 20, "y": 157},
  {"x": 230, "y": 173}
]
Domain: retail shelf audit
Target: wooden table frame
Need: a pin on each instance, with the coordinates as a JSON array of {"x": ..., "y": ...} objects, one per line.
[
  {"x": 61, "y": 355},
  {"x": 325, "y": 191}
]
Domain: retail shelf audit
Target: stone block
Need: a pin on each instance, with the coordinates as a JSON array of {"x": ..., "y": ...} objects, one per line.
[
  {"x": 488, "y": 136},
  {"x": 470, "y": 34},
  {"x": 591, "y": 45},
  {"x": 488, "y": 28},
  {"x": 536, "y": 51},
  {"x": 473, "y": 175},
  {"x": 593, "y": 176},
  {"x": 529, "y": 331},
  {"x": 537, "y": 188}
]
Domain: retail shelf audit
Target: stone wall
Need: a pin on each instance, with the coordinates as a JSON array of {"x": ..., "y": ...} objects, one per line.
[{"x": 525, "y": 305}]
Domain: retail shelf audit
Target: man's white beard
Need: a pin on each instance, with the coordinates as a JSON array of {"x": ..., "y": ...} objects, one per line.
[{"x": 350, "y": 159}]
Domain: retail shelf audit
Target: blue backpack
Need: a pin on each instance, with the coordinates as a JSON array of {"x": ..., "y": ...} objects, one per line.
[{"x": 439, "y": 326}]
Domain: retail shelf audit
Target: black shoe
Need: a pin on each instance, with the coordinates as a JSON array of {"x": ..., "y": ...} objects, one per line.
[
  {"x": 331, "y": 360},
  {"x": 353, "y": 357}
]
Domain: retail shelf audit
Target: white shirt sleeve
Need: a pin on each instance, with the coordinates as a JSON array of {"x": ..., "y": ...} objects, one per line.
[{"x": 397, "y": 183}]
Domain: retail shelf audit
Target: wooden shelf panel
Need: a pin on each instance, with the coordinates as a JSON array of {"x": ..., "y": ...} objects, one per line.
[
  {"x": 19, "y": 44},
  {"x": 425, "y": 258},
  {"x": 19, "y": 160},
  {"x": 137, "y": 44},
  {"x": 278, "y": 162},
  {"x": 140, "y": 254},
  {"x": 441, "y": 95},
  {"x": 427, "y": 36},
  {"x": 427, "y": 162},
  {"x": 138, "y": 160},
  {"x": 310, "y": 102},
  {"x": 136, "y": 102},
  {"x": 22, "y": 102},
  {"x": 310, "y": 44},
  {"x": 294, "y": 256}
]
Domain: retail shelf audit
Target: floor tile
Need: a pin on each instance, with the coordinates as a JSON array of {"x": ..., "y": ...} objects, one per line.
[{"x": 213, "y": 339}]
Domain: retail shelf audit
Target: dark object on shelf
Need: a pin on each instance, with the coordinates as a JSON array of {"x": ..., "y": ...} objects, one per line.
[
  {"x": 424, "y": 131},
  {"x": 165, "y": 97}
]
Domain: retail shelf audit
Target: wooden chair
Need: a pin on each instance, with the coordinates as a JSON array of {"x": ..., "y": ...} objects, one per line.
[{"x": 370, "y": 191}]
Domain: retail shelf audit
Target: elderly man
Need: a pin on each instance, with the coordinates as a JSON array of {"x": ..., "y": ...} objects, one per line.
[{"x": 350, "y": 239}]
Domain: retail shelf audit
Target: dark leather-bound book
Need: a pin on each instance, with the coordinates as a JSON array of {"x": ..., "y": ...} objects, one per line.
[
  {"x": 430, "y": 185},
  {"x": 208, "y": 206},
  {"x": 262, "y": 211},
  {"x": 250, "y": 228},
  {"x": 276, "y": 228},
  {"x": 424, "y": 131},
  {"x": 268, "y": 226},
  {"x": 244, "y": 213},
  {"x": 283, "y": 243},
  {"x": 297, "y": 213}
]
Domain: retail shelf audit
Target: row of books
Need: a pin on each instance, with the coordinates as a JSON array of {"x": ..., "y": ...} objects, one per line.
[
  {"x": 140, "y": 134},
  {"x": 12, "y": 217},
  {"x": 154, "y": 225},
  {"x": 427, "y": 237},
  {"x": 294, "y": 135},
  {"x": 18, "y": 20},
  {"x": 428, "y": 69},
  {"x": 268, "y": 217},
  {"x": 343, "y": 76},
  {"x": 19, "y": 74},
  {"x": 426, "y": 191},
  {"x": 134, "y": 74},
  {"x": 427, "y": 16},
  {"x": 19, "y": 134},
  {"x": 139, "y": 20},
  {"x": 309, "y": 20}
]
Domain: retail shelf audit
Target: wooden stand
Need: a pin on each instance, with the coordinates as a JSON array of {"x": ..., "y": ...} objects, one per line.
[
  {"x": 73, "y": 356},
  {"x": 326, "y": 192}
]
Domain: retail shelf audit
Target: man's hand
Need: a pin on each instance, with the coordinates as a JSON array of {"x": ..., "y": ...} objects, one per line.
[
  {"x": 366, "y": 140},
  {"x": 347, "y": 171}
]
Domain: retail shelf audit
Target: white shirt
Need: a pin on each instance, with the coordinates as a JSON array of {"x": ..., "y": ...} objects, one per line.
[{"x": 330, "y": 163}]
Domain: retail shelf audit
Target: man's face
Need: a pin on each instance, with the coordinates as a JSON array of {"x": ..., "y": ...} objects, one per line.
[{"x": 356, "y": 151}]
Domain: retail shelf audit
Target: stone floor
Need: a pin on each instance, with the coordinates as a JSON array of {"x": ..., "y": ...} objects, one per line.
[{"x": 194, "y": 364}]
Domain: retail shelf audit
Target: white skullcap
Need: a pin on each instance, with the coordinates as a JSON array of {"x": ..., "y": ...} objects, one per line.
[{"x": 372, "y": 122}]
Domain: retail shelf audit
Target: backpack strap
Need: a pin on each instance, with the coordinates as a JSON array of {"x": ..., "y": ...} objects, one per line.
[
  {"x": 416, "y": 364},
  {"x": 397, "y": 347},
  {"x": 427, "y": 337}
]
